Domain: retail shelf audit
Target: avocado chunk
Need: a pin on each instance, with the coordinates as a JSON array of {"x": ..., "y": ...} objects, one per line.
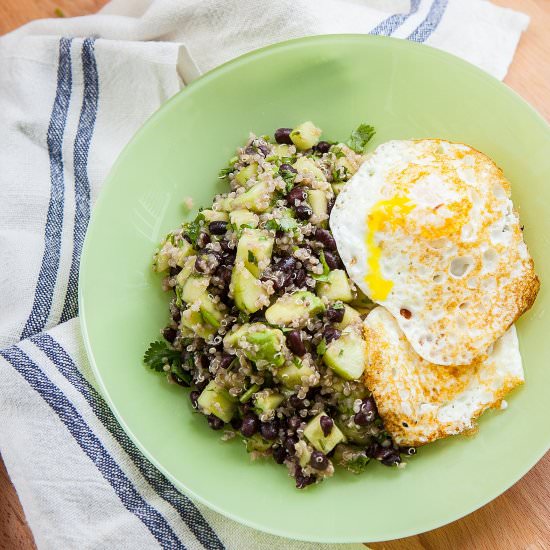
[
  {"x": 282, "y": 151},
  {"x": 307, "y": 166},
  {"x": 347, "y": 356},
  {"x": 247, "y": 173},
  {"x": 305, "y": 135},
  {"x": 318, "y": 202},
  {"x": 257, "y": 443},
  {"x": 214, "y": 216},
  {"x": 257, "y": 198},
  {"x": 314, "y": 434},
  {"x": 351, "y": 457},
  {"x": 303, "y": 452},
  {"x": 291, "y": 375},
  {"x": 337, "y": 287},
  {"x": 248, "y": 292},
  {"x": 261, "y": 344},
  {"x": 362, "y": 301},
  {"x": 299, "y": 305},
  {"x": 337, "y": 187},
  {"x": 243, "y": 217},
  {"x": 267, "y": 400},
  {"x": 254, "y": 249},
  {"x": 171, "y": 252},
  {"x": 216, "y": 400},
  {"x": 194, "y": 321},
  {"x": 186, "y": 270},
  {"x": 351, "y": 317},
  {"x": 194, "y": 289}
]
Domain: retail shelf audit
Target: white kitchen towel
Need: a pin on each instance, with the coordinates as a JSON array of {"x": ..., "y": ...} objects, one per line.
[{"x": 72, "y": 93}]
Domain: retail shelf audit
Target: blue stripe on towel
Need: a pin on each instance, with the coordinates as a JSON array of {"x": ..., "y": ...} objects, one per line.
[
  {"x": 430, "y": 23},
  {"x": 54, "y": 221},
  {"x": 82, "y": 142},
  {"x": 392, "y": 23},
  {"x": 186, "y": 509},
  {"x": 91, "y": 445}
]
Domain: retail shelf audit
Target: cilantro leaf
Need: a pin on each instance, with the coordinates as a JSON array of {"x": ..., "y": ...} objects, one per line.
[
  {"x": 358, "y": 464},
  {"x": 273, "y": 225},
  {"x": 322, "y": 347},
  {"x": 288, "y": 176},
  {"x": 251, "y": 258},
  {"x": 224, "y": 172},
  {"x": 360, "y": 137},
  {"x": 159, "y": 354},
  {"x": 192, "y": 229},
  {"x": 338, "y": 305},
  {"x": 288, "y": 224},
  {"x": 326, "y": 269}
]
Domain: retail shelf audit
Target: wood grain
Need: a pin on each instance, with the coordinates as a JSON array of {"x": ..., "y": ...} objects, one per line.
[{"x": 517, "y": 520}]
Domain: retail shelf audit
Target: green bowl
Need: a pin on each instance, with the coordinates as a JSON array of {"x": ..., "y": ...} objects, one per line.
[{"x": 406, "y": 91}]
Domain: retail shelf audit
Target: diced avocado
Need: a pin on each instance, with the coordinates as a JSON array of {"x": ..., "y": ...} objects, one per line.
[
  {"x": 248, "y": 292},
  {"x": 194, "y": 288},
  {"x": 266, "y": 344},
  {"x": 215, "y": 216},
  {"x": 193, "y": 320},
  {"x": 288, "y": 308},
  {"x": 307, "y": 165},
  {"x": 305, "y": 135},
  {"x": 351, "y": 316},
  {"x": 303, "y": 452},
  {"x": 354, "y": 433},
  {"x": 337, "y": 287},
  {"x": 216, "y": 400},
  {"x": 257, "y": 443},
  {"x": 184, "y": 250},
  {"x": 291, "y": 375},
  {"x": 186, "y": 270},
  {"x": 362, "y": 301},
  {"x": 267, "y": 400},
  {"x": 344, "y": 163},
  {"x": 210, "y": 313},
  {"x": 243, "y": 217},
  {"x": 247, "y": 173},
  {"x": 347, "y": 356},
  {"x": 337, "y": 187},
  {"x": 318, "y": 202},
  {"x": 161, "y": 260},
  {"x": 255, "y": 246},
  {"x": 257, "y": 198},
  {"x": 282, "y": 151},
  {"x": 314, "y": 434}
]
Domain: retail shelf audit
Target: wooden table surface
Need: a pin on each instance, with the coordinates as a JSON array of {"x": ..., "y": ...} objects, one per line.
[{"x": 517, "y": 520}]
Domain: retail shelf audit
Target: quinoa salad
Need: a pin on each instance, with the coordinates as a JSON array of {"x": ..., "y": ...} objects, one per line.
[{"x": 265, "y": 326}]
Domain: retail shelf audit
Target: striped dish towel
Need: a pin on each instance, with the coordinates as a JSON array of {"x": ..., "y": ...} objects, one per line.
[{"x": 72, "y": 93}]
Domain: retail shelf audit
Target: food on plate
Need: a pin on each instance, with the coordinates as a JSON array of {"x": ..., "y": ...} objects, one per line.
[
  {"x": 265, "y": 324},
  {"x": 427, "y": 229},
  {"x": 419, "y": 401}
]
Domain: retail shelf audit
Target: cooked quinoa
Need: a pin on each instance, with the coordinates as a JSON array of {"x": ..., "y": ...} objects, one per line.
[{"x": 265, "y": 325}]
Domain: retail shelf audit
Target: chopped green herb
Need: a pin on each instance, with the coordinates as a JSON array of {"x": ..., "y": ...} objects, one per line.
[
  {"x": 249, "y": 393},
  {"x": 160, "y": 354},
  {"x": 273, "y": 225},
  {"x": 252, "y": 258},
  {"x": 297, "y": 361},
  {"x": 338, "y": 305},
  {"x": 322, "y": 347},
  {"x": 224, "y": 172},
  {"x": 358, "y": 464},
  {"x": 337, "y": 151},
  {"x": 326, "y": 269},
  {"x": 179, "y": 299},
  {"x": 284, "y": 224},
  {"x": 192, "y": 229},
  {"x": 289, "y": 178},
  {"x": 360, "y": 137},
  {"x": 243, "y": 317}
]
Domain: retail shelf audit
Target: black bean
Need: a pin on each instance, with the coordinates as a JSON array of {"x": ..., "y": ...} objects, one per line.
[
  {"x": 368, "y": 406},
  {"x": 330, "y": 259},
  {"x": 204, "y": 361},
  {"x": 330, "y": 205},
  {"x": 287, "y": 168},
  {"x": 303, "y": 211},
  {"x": 335, "y": 315},
  {"x": 331, "y": 333},
  {"x": 224, "y": 272},
  {"x": 226, "y": 360},
  {"x": 297, "y": 193},
  {"x": 289, "y": 444},
  {"x": 294, "y": 343},
  {"x": 269, "y": 430},
  {"x": 391, "y": 460},
  {"x": 262, "y": 148},
  {"x": 279, "y": 454},
  {"x": 249, "y": 425},
  {"x": 326, "y": 423},
  {"x": 381, "y": 453},
  {"x": 282, "y": 135},
  {"x": 214, "y": 422},
  {"x": 170, "y": 334},
  {"x": 318, "y": 460},
  {"x": 250, "y": 150},
  {"x": 225, "y": 246},
  {"x": 300, "y": 276},
  {"x": 322, "y": 147},
  {"x": 176, "y": 315},
  {"x": 218, "y": 227},
  {"x": 193, "y": 396},
  {"x": 201, "y": 385},
  {"x": 324, "y": 236},
  {"x": 287, "y": 264},
  {"x": 236, "y": 423},
  {"x": 361, "y": 419},
  {"x": 303, "y": 480},
  {"x": 174, "y": 271},
  {"x": 294, "y": 422},
  {"x": 203, "y": 239},
  {"x": 296, "y": 402}
]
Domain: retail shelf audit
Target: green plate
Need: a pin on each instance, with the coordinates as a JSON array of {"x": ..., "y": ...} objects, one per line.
[{"x": 406, "y": 91}]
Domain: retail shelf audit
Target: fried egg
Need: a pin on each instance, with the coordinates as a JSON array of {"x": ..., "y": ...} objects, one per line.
[
  {"x": 420, "y": 402},
  {"x": 428, "y": 230}
]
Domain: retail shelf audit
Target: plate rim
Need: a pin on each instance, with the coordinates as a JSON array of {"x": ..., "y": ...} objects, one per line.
[{"x": 427, "y": 525}]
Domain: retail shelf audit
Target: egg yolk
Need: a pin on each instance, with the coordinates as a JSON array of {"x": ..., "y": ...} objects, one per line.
[{"x": 393, "y": 212}]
